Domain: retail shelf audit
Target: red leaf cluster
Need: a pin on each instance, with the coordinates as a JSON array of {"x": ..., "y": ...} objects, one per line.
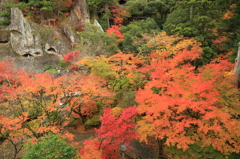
[
  {"x": 115, "y": 31},
  {"x": 71, "y": 56}
]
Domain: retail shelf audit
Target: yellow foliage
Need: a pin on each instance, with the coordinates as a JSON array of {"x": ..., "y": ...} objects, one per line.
[
  {"x": 145, "y": 129},
  {"x": 117, "y": 111},
  {"x": 163, "y": 43}
]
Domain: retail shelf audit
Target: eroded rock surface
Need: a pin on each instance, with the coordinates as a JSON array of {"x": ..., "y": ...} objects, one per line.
[
  {"x": 34, "y": 45},
  {"x": 24, "y": 39},
  {"x": 29, "y": 39},
  {"x": 80, "y": 13},
  {"x": 237, "y": 66}
]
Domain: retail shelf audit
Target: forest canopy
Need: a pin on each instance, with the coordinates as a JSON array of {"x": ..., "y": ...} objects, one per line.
[{"x": 158, "y": 75}]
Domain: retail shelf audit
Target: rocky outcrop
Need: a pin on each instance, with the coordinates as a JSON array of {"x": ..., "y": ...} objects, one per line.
[
  {"x": 97, "y": 24},
  {"x": 25, "y": 41},
  {"x": 34, "y": 45},
  {"x": 66, "y": 29},
  {"x": 237, "y": 66},
  {"x": 4, "y": 36},
  {"x": 57, "y": 43},
  {"x": 29, "y": 39},
  {"x": 80, "y": 13}
]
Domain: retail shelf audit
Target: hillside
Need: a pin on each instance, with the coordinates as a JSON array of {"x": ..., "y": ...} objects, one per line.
[{"x": 111, "y": 79}]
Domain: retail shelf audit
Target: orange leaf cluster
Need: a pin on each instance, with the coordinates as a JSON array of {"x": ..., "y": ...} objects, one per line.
[
  {"x": 228, "y": 15},
  {"x": 178, "y": 101},
  {"x": 115, "y": 31}
]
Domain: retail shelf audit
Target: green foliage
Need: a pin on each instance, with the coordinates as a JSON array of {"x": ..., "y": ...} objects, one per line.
[
  {"x": 137, "y": 28},
  {"x": 125, "y": 98},
  {"x": 94, "y": 42},
  {"x": 234, "y": 156},
  {"x": 156, "y": 9},
  {"x": 198, "y": 19},
  {"x": 49, "y": 147},
  {"x": 52, "y": 71},
  {"x": 43, "y": 4},
  {"x": 63, "y": 64},
  {"x": 103, "y": 21},
  {"x": 134, "y": 31},
  {"x": 94, "y": 4},
  {"x": 136, "y": 7},
  {"x": 48, "y": 67},
  {"x": 231, "y": 27},
  {"x": 93, "y": 121},
  {"x": 6, "y": 13},
  {"x": 195, "y": 151},
  {"x": 176, "y": 17},
  {"x": 97, "y": 7}
]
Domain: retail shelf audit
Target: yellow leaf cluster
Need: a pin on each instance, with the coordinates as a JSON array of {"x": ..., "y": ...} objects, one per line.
[{"x": 171, "y": 44}]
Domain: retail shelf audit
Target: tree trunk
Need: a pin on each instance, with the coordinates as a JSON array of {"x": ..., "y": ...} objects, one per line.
[
  {"x": 42, "y": 16},
  {"x": 160, "y": 143},
  {"x": 106, "y": 7},
  {"x": 191, "y": 13}
]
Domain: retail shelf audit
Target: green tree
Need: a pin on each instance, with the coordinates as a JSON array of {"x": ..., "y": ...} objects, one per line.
[
  {"x": 44, "y": 6},
  {"x": 95, "y": 7},
  {"x": 230, "y": 26},
  {"x": 94, "y": 42},
  {"x": 199, "y": 19},
  {"x": 6, "y": 13},
  {"x": 50, "y": 147},
  {"x": 156, "y": 9},
  {"x": 134, "y": 31}
]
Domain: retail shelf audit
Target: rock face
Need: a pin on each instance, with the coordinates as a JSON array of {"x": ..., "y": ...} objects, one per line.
[
  {"x": 29, "y": 39},
  {"x": 97, "y": 24},
  {"x": 237, "y": 66},
  {"x": 80, "y": 13},
  {"x": 25, "y": 41},
  {"x": 32, "y": 45}
]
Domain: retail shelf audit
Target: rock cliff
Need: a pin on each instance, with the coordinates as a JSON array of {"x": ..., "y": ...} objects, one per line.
[
  {"x": 33, "y": 45},
  {"x": 237, "y": 67}
]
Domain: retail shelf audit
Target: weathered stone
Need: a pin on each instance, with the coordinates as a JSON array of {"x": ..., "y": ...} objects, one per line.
[
  {"x": 24, "y": 39},
  {"x": 4, "y": 36},
  {"x": 80, "y": 13},
  {"x": 57, "y": 43},
  {"x": 32, "y": 45},
  {"x": 97, "y": 24},
  {"x": 66, "y": 28},
  {"x": 237, "y": 66},
  {"x": 28, "y": 39}
]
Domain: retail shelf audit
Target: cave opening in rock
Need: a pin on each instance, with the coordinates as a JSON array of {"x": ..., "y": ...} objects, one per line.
[
  {"x": 3, "y": 41},
  {"x": 37, "y": 53},
  {"x": 27, "y": 55},
  {"x": 51, "y": 49}
]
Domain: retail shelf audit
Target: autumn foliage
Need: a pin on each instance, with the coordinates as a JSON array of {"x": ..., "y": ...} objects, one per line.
[
  {"x": 171, "y": 101},
  {"x": 182, "y": 104},
  {"x": 114, "y": 130},
  {"x": 35, "y": 104},
  {"x": 71, "y": 56},
  {"x": 115, "y": 31}
]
